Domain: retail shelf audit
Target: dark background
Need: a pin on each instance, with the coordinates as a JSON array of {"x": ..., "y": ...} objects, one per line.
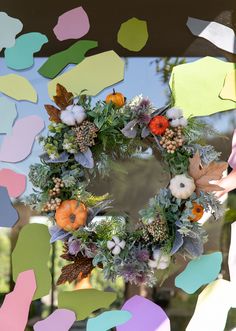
[{"x": 168, "y": 34}]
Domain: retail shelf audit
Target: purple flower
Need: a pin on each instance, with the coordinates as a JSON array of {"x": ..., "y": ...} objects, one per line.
[
  {"x": 145, "y": 103},
  {"x": 74, "y": 247},
  {"x": 142, "y": 255}
]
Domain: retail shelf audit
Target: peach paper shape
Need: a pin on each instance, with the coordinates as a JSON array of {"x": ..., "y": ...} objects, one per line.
[
  {"x": 15, "y": 308},
  {"x": 73, "y": 24}
]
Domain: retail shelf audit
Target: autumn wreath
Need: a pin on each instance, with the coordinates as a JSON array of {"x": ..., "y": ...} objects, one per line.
[{"x": 85, "y": 139}]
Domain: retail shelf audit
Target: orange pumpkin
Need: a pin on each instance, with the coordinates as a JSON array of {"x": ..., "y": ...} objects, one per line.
[
  {"x": 197, "y": 211},
  {"x": 117, "y": 98},
  {"x": 71, "y": 214}
]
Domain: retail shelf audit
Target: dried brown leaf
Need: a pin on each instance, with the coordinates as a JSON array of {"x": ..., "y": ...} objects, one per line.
[
  {"x": 62, "y": 97},
  {"x": 203, "y": 174},
  {"x": 54, "y": 113}
]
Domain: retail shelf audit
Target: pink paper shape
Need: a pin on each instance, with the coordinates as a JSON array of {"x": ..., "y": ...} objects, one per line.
[
  {"x": 60, "y": 320},
  {"x": 15, "y": 308},
  {"x": 147, "y": 316},
  {"x": 73, "y": 24},
  {"x": 232, "y": 158},
  {"x": 14, "y": 182},
  {"x": 18, "y": 145}
]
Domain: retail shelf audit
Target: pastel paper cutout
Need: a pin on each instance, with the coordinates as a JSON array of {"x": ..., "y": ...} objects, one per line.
[
  {"x": 17, "y": 87},
  {"x": 73, "y": 24},
  {"x": 60, "y": 320},
  {"x": 9, "y": 28},
  {"x": 18, "y": 145},
  {"x": 217, "y": 298},
  {"x": 133, "y": 34},
  {"x": 21, "y": 55},
  {"x": 32, "y": 252},
  {"x": 84, "y": 302},
  {"x": 200, "y": 271},
  {"x": 15, "y": 308},
  {"x": 200, "y": 96},
  {"x": 228, "y": 91},
  {"x": 8, "y": 214},
  {"x": 218, "y": 34},
  {"x": 8, "y": 114},
  {"x": 14, "y": 182},
  {"x": 147, "y": 316},
  {"x": 94, "y": 74},
  {"x": 74, "y": 54},
  {"x": 108, "y": 320},
  {"x": 232, "y": 157}
]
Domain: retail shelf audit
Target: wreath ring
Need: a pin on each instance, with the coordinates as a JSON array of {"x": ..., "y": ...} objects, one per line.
[{"x": 84, "y": 140}]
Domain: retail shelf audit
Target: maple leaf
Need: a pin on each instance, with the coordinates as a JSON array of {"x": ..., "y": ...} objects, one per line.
[
  {"x": 62, "y": 97},
  {"x": 54, "y": 113},
  {"x": 203, "y": 174},
  {"x": 80, "y": 268}
]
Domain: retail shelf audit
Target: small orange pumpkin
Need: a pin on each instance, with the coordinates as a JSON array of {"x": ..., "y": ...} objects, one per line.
[
  {"x": 117, "y": 98},
  {"x": 71, "y": 214},
  {"x": 197, "y": 211}
]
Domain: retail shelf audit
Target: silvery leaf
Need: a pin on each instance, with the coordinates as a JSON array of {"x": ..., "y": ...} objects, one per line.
[
  {"x": 130, "y": 131},
  {"x": 178, "y": 243},
  {"x": 85, "y": 159},
  {"x": 145, "y": 132},
  {"x": 58, "y": 234},
  {"x": 61, "y": 159},
  {"x": 101, "y": 206},
  {"x": 193, "y": 246}
]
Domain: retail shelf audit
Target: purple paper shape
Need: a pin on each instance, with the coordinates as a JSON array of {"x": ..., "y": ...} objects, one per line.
[
  {"x": 232, "y": 157},
  {"x": 8, "y": 214},
  {"x": 147, "y": 316},
  {"x": 18, "y": 145},
  {"x": 60, "y": 320},
  {"x": 73, "y": 24}
]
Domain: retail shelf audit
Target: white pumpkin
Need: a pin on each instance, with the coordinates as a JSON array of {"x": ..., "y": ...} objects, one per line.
[
  {"x": 73, "y": 114},
  {"x": 182, "y": 187}
]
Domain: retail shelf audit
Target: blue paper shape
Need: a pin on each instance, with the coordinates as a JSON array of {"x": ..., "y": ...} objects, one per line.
[
  {"x": 8, "y": 214},
  {"x": 108, "y": 320},
  {"x": 198, "y": 272},
  {"x": 21, "y": 55},
  {"x": 8, "y": 114}
]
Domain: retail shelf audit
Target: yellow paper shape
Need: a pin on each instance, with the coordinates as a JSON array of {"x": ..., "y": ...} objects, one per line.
[
  {"x": 94, "y": 74},
  {"x": 196, "y": 86},
  {"x": 212, "y": 307},
  {"x": 229, "y": 89},
  {"x": 32, "y": 253},
  {"x": 17, "y": 87},
  {"x": 84, "y": 302}
]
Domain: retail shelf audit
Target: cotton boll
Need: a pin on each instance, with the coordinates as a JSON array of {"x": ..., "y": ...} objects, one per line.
[
  {"x": 67, "y": 117},
  {"x": 152, "y": 264},
  {"x": 116, "y": 250},
  {"x": 174, "y": 113},
  {"x": 183, "y": 121},
  {"x": 164, "y": 262},
  {"x": 79, "y": 113},
  {"x": 157, "y": 254},
  {"x": 175, "y": 123}
]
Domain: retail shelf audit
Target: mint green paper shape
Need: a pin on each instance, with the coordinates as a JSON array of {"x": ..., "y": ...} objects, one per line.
[
  {"x": 133, "y": 34},
  {"x": 108, "y": 320},
  {"x": 84, "y": 302},
  {"x": 8, "y": 114},
  {"x": 74, "y": 54},
  {"x": 21, "y": 55},
  {"x": 9, "y": 28},
  {"x": 200, "y": 271},
  {"x": 32, "y": 253},
  {"x": 93, "y": 74},
  {"x": 17, "y": 87},
  {"x": 196, "y": 86}
]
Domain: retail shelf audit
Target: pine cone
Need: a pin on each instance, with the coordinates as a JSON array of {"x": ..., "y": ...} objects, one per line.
[
  {"x": 86, "y": 132},
  {"x": 156, "y": 231}
]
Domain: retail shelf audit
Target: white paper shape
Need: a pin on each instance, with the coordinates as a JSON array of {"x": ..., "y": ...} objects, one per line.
[{"x": 218, "y": 34}]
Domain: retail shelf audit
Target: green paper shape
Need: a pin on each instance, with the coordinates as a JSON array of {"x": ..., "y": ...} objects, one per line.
[
  {"x": 108, "y": 320},
  {"x": 93, "y": 74},
  {"x": 84, "y": 302},
  {"x": 32, "y": 253},
  {"x": 196, "y": 86},
  {"x": 200, "y": 271},
  {"x": 74, "y": 54},
  {"x": 133, "y": 34},
  {"x": 21, "y": 55}
]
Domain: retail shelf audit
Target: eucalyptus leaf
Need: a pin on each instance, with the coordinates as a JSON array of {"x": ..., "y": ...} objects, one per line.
[
  {"x": 85, "y": 159},
  {"x": 63, "y": 157},
  {"x": 130, "y": 131}
]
